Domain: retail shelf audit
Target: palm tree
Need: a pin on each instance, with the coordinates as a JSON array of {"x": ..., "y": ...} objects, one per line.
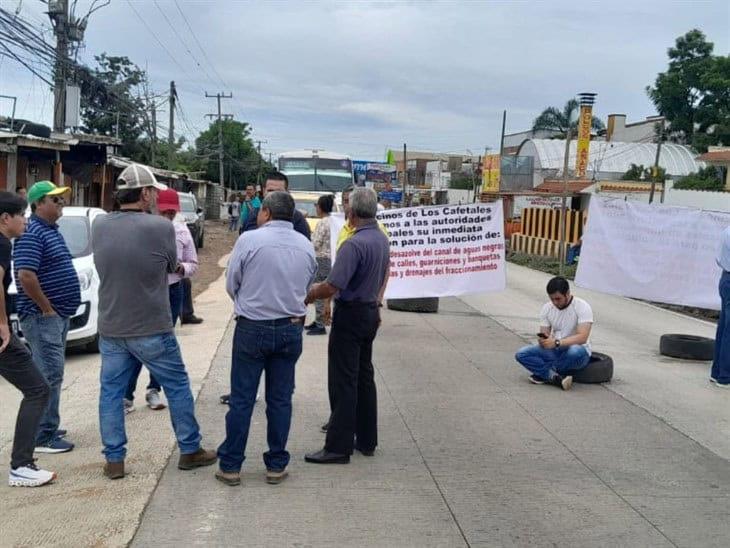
[{"x": 553, "y": 119}]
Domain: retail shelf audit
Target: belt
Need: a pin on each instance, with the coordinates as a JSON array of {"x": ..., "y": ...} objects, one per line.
[
  {"x": 278, "y": 321},
  {"x": 354, "y": 304}
]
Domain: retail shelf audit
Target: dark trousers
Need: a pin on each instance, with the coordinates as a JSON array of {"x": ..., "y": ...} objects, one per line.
[
  {"x": 187, "y": 300},
  {"x": 17, "y": 367},
  {"x": 351, "y": 379},
  {"x": 176, "y": 296},
  {"x": 273, "y": 346},
  {"x": 721, "y": 364}
]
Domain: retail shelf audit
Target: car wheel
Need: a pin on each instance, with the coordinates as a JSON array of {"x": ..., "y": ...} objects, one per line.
[
  {"x": 93, "y": 346},
  {"x": 687, "y": 347},
  {"x": 599, "y": 369},
  {"x": 427, "y": 304}
]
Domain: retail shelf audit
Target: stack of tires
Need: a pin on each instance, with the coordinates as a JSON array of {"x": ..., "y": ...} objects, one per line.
[{"x": 426, "y": 304}]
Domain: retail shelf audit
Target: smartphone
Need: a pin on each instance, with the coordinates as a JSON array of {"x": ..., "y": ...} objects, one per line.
[{"x": 542, "y": 336}]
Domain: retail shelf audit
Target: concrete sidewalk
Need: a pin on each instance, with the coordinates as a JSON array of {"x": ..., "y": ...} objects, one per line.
[
  {"x": 83, "y": 508},
  {"x": 470, "y": 454}
]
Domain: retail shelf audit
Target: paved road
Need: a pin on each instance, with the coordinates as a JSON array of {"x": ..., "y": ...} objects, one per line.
[{"x": 471, "y": 454}]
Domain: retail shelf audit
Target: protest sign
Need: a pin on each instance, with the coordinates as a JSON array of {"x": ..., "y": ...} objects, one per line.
[
  {"x": 441, "y": 251},
  {"x": 655, "y": 252}
]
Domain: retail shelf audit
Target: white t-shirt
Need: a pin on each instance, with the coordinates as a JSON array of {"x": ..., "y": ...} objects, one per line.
[
  {"x": 235, "y": 209},
  {"x": 564, "y": 323}
]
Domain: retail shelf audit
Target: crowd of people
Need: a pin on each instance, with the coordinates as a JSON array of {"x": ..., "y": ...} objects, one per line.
[{"x": 274, "y": 273}]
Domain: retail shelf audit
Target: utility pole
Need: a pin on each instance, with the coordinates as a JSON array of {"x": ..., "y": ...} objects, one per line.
[
  {"x": 564, "y": 204},
  {"x": 171, "y": 133},
  {"x": 60, "y": 17},
  {"x": 501, "y": 141},
  {"x": 258, "y": 169},
  {"x": 153, "y": 137},
  {"x": 220, "y": 117},
  {"x": 659, "y": 129},
  {"x": 405, "y": 174}
]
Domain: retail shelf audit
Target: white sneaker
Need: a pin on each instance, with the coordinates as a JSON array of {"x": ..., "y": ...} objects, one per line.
[
  {"x": 29, "y": 476},
  {"x": 128, "y": 406},
  {"x": 153, "y": 400}
]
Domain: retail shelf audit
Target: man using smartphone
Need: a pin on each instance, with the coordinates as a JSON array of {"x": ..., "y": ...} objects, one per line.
[{"x": 563, "y": 341}]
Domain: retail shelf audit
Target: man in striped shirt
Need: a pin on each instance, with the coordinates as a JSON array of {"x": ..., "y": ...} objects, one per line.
[{"x": 48, "y": 295}]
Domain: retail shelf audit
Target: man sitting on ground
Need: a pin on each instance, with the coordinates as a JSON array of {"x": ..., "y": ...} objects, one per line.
[{"x": 563, "y": 342}]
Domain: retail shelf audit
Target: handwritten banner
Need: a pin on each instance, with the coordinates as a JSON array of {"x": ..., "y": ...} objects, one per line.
[{"x": 441, "y": 251}]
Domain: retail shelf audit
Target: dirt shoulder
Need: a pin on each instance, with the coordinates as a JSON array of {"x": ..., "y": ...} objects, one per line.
[{"x": 218, "y": 242}]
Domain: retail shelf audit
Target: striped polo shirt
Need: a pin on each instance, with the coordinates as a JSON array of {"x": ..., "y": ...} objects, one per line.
[{"x": 43, "y": 250}]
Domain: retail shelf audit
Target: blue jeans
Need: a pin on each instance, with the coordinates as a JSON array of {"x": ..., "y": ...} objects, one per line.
[
  {"x": 721, "y": 364},
  {"x": 176, "y": 296},
  {"x": 46, "y": 336},
  {"x": 272, "y": 346},
  {"x": 545, "y": 362},
  {"x": 233, "y": 223},
  {"x": 161, "y": 353}
]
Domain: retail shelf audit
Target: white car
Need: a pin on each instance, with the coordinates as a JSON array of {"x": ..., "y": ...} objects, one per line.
[{"x": 75, "y": 227}]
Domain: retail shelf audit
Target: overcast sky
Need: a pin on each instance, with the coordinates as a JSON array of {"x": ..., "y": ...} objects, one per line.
[{"x": 359, "y": 77}]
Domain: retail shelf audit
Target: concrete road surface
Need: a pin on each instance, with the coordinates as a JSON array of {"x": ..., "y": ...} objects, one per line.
[{"x": 470, "y": 453}]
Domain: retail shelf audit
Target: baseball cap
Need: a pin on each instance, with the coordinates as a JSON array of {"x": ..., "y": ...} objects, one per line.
[
  {"x": 168, "y": 200},
  {"x": 45, "y": 188},
  {"x": 137, "y": 176}
]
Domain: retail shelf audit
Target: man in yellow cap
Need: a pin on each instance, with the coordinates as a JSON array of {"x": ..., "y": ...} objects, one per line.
[{"x": 48, "y": 296}]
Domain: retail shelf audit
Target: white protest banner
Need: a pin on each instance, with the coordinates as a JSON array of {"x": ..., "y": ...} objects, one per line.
[
  {"x": 441, "y": 251},
  {"x": 654, "y": 252}
]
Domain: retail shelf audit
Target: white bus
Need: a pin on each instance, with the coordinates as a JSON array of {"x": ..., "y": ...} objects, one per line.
[{"x": 316, "y": 170}]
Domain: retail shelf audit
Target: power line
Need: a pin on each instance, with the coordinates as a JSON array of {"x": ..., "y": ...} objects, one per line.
[{"x": 155, "y": 37}]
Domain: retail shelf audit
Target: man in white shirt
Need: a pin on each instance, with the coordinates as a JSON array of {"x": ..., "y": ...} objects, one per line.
[
  {"x": 720, "y": 373},
  {"x": 563, "y": 342}
]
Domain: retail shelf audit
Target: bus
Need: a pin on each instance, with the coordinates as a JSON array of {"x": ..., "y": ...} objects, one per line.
[{"x": 316, "y": 170}]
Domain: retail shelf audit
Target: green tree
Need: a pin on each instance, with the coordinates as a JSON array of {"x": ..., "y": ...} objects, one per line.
[
  {"x": 635, "y": 173},
  {"x": 114, "y": 91},
  {"x": 554, "y": 119},
  {"x": 707, "y": 178},
  {"x": 694, "y": 93},
  {"x": 241, "y": 159}
]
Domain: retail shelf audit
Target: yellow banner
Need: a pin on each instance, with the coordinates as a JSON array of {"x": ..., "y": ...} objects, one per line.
[
  {"x": 584, "y": 140},
  {"x": 490, "y": 173}
]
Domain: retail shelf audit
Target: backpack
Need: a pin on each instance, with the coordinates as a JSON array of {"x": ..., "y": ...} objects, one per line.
[{"x": 230, "y": 209}]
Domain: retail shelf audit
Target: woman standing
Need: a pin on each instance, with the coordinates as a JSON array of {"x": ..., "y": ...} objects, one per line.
[{"x": 321, "y": 242}]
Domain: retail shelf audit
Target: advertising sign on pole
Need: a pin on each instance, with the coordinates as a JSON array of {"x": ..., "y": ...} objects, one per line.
[
  {"x": 490, "y": 173},
  {"x": 584, "y": 141}
]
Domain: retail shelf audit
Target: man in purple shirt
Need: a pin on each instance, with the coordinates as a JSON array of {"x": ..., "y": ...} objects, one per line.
[{"x": 358, "y": 278}]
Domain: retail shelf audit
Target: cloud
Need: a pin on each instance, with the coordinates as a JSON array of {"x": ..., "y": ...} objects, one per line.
[{"x": 359, "y": 76}]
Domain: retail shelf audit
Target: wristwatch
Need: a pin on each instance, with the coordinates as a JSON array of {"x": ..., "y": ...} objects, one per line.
[{"x": 557, "y": 343}]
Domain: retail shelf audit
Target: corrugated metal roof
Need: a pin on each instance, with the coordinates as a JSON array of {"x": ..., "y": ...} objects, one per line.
[{"x": 612, "y": 157}]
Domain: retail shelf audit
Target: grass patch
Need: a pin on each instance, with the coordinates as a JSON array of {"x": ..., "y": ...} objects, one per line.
[{"x": 548, "y": 265}]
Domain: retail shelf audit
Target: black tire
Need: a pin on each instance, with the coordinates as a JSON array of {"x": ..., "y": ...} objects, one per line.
[
  {"x": 598, "y": 370},
  {"x": 687, "y": 347},
  {"x": 427, "y": 304},
  {"x": 200, "y": 242},
  {"x": 93, "y": 346}
]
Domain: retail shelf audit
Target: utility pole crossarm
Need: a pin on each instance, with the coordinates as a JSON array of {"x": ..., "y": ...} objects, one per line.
[{"x": 221, "y": 117}]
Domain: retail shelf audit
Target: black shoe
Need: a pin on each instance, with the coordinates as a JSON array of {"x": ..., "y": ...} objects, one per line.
[
  {"x": 325, "y": 457},
  {"x": 325, "y": 427},
  {"x": 566, "y": 383},
  {"x": 534, "y": 379},
  {"x": 366, "y": 452},
  {"x": 192, "y": 319},
  {"x": 310, "y": 326},
  {"x": 316, "y": 330},
  {"x": 226, "y": 399}
]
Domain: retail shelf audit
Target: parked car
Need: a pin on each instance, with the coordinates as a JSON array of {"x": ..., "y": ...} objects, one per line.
[
  {"x": 75, "y": 227},
  {"x": 194, "y": 217},
  {"x": 306, "y": 203}
]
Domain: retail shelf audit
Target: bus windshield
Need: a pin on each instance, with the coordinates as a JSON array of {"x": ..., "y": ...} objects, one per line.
[{"x": 317, "y": 174}]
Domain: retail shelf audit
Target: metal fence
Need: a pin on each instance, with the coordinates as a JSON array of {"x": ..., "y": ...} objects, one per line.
[{"x": 516, "y": 173}]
